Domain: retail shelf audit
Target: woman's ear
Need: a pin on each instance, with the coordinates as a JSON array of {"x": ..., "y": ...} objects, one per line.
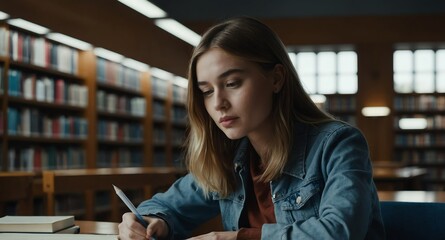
[{"x": 279, "y": 74}]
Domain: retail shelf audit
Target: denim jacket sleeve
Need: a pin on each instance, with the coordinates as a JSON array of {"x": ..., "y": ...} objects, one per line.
[
  {"x": 183, "y": 206},
  {"x": 347, "y": 202}
]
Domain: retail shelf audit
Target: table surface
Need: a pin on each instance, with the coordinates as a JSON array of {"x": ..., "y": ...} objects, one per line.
[
  {"x": 412, "y": 196},
  {"x": 381, "y": 173},
  {"x": 95, "y": 227}
]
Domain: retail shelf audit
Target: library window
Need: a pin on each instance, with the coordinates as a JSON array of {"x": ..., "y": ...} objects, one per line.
[
  {"x": 327, "y": 72},
  {"x": 419, "y": 71}
]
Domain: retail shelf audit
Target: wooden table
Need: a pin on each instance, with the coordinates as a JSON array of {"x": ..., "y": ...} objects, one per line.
[
  {"x": 398, "y": 178},
  {"x": 94, "y": 227},
  {"x": 412, "y": 196}
]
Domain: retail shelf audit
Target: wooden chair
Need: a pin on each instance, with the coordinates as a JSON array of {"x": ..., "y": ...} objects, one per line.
[
  {"x": 16, "y": 188},
  {"x": 89, "y": 181}
]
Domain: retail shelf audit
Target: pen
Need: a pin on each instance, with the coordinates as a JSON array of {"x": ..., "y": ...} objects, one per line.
[{"x": 131, "y": 207}]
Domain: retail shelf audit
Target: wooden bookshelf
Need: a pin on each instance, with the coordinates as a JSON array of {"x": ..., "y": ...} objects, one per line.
[
  {"x": 425, "y": 147},
  {"x": 151, "y": 135},
  {"x": 121, "y": 111},
  {"x": 42, "y": 117},
  {"x": 136, "y": 149}
]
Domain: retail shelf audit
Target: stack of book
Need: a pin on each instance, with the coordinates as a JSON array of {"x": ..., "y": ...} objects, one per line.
[{"x": 38, "y": 224}]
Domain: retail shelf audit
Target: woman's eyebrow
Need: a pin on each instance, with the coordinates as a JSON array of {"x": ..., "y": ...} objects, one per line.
[
  {"x": 224, "y": 74},
  {"x": 231, "y": 71}
]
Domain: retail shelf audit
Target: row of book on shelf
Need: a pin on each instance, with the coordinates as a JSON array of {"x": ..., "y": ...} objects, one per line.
[
  {"x": 420, "y": 139},
  {"x": 37, "y": 158},
  {"x": 117, "y": 131},
  {"x": 422, "y": 102},
  {"x": 414, "y": 157},
  {"x": 46, "y": 89},
  {"x": 159, "y": 87},
  {"x": 119, "y": 157},
  {"x": 38, "y": 51},
  {"x": 340, "y": 103},
  {"x": 178, "y": 113},
  {"x": 116, "y": 74},
  {"x": 159, "y": 135},
  {"x": 114, "y": 103},
  {"x": 32, "y": 122}
]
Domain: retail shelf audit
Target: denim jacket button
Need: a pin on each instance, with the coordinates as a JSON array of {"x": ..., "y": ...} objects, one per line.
[
  {"x": 241, "y": 197},
  {"x": 298, "y": 200}
]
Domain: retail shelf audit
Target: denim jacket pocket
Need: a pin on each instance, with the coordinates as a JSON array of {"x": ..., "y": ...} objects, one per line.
[{"x": 301, "y": 204}]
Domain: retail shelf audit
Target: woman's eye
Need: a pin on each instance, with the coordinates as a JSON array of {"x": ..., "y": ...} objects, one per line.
[
  {"x": 206, "y": 92},
  {"x": 232, "y": 84}
]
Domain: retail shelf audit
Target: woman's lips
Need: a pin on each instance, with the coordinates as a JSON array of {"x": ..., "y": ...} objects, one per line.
[{"x": 227, "y": 121}]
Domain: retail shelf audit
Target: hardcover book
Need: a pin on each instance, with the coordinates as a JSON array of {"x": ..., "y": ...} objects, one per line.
[{"x": 35, "y": 224}]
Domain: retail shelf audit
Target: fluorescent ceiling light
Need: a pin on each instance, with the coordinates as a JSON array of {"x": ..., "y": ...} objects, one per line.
[
  {"x": 70, "y": 41},
  {"x": 107, "y": 54},
  {"x": 413, "y": 123},
  {"x": 23, "y": 24},
  {"x": 180, "y": 81},
  {"x": 375, "y": 111},
  {"x": 177, "y": 29},
  {"x": 162, "y": 74},
  {"x": 145, "y": 7},
  {"x": 131, "y": 63},
  {"x": 3, "y": 15},
  {"x": 318, "y": 98}
]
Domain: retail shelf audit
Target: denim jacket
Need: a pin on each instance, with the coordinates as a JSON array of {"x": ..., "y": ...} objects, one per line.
[{"x": 326, "y": 191}]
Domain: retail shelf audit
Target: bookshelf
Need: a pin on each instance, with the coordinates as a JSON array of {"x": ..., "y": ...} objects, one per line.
[
  {"x": 179, "y": 123},
  {"x": 422, "y": 147},
  {"x": 90, "y": 113},
  {"x": 121, "y": 110},
  {"x": 43, "y": 105},
  {"x": 161, "y": 90},
  {"x": 342, "y": 106},
  {"x": 101, "y": 108}
]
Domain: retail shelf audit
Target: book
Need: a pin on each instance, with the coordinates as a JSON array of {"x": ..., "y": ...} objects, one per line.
[
  {"x": 27, "y": 236},
  {"x": 73, "y": 229},
  {"x": 35, "y": 224}
]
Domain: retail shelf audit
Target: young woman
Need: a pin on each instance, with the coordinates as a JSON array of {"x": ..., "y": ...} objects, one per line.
[{"x": 260, "y": 153}]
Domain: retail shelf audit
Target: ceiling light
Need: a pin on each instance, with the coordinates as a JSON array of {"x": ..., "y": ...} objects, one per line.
[
  {"x": 23, "y": 24},
  {"x": 3, "y": 15},
  {"x": 145, "y": 7},
  {"x": 162, "y": 74},
  {"x": 107, "y": 54},
  {"x": 375, "y": 111},
  {"x": 180, "y": 81},
  {"x": 131, "y": 63},
  {"x": 413, "y": 123},
  {"x": 177, "y": 29},
  {"x": 70, "y": 41}
]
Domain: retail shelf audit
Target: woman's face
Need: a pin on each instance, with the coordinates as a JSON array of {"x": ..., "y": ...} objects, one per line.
[{"x": 237, "y": 93}]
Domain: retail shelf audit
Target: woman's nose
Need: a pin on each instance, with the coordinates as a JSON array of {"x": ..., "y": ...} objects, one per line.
[{"x": 221, "y": 101}]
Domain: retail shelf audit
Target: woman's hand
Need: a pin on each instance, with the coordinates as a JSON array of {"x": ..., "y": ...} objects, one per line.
[
  {"x": 216, "y": 236},
  {"x": 131, "y": 229}
]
